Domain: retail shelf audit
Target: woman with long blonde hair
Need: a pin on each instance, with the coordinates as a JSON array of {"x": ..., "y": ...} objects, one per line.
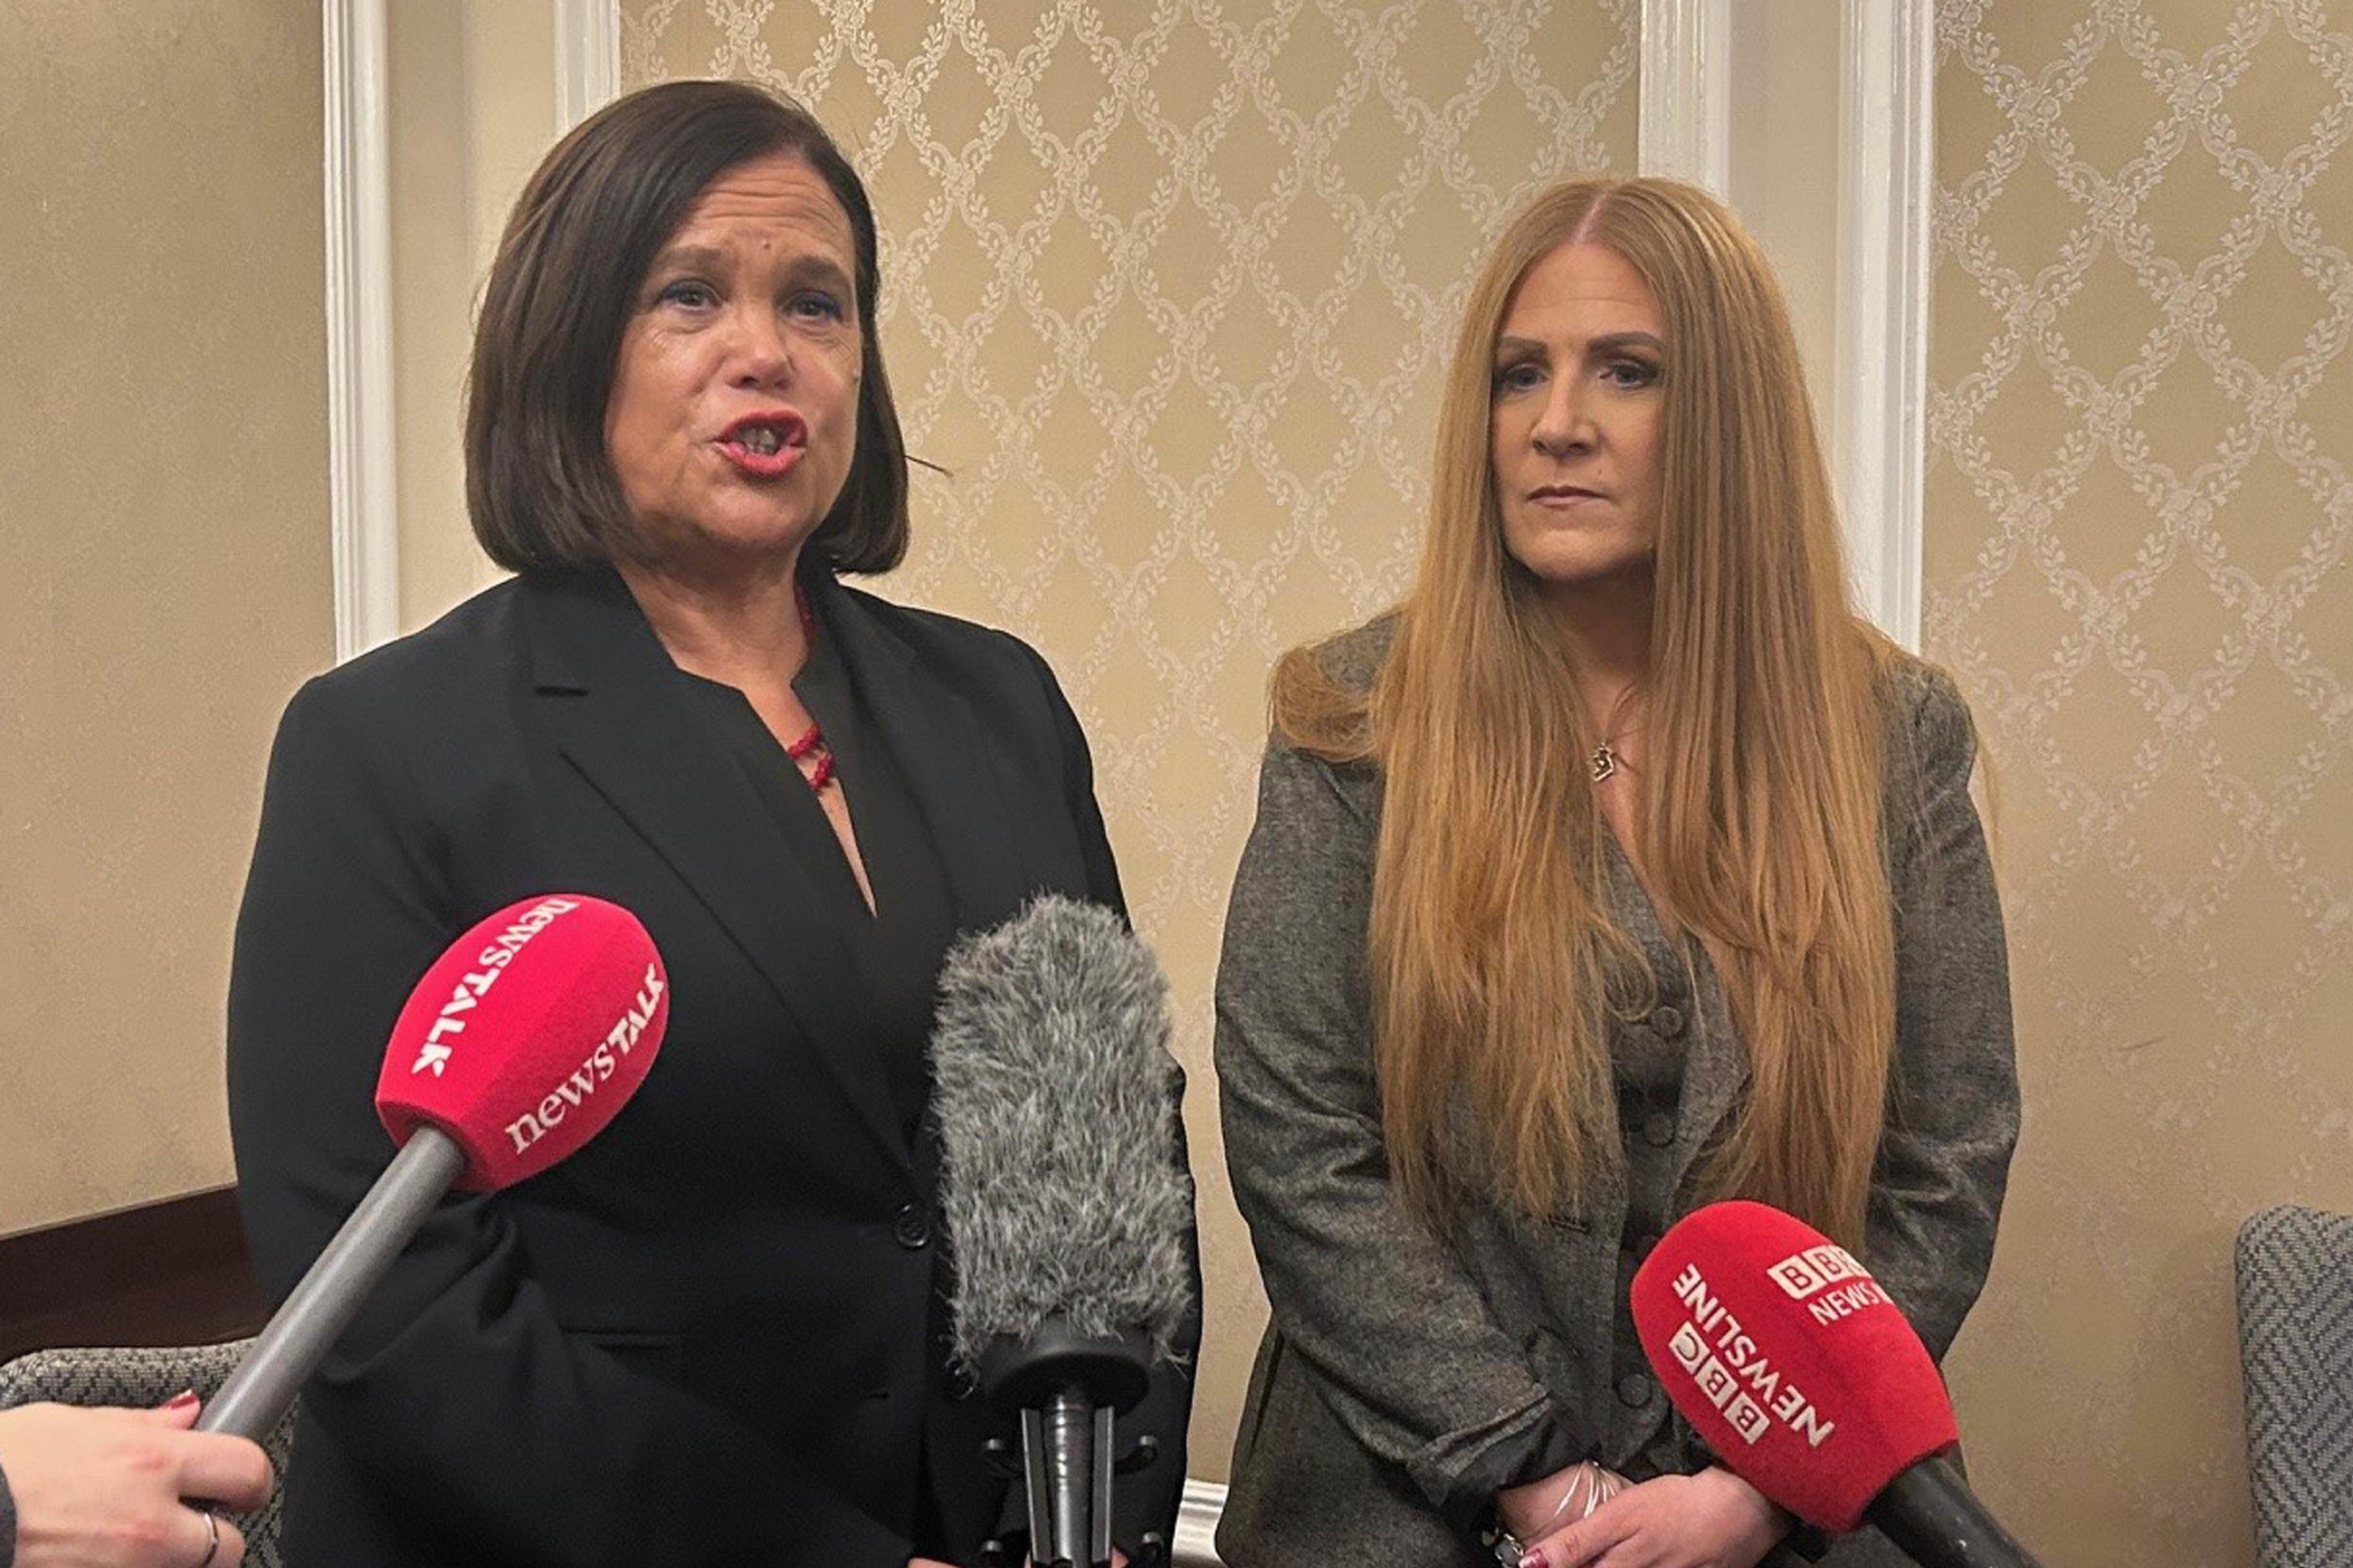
[{"x": 1620, "y": 868}]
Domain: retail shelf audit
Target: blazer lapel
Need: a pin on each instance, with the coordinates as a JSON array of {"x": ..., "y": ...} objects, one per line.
[
  {"x": 611, "y": 698},
  {"x": 952, "y": 766}
]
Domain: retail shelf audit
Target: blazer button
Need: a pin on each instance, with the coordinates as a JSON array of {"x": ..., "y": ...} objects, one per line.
[
  {"x": 1667, "y": 1022},
  {"x": 1658, "y": 1129},
  {"x": 1634, "y": 1390},
  {"x": 911, "y": 1226}
]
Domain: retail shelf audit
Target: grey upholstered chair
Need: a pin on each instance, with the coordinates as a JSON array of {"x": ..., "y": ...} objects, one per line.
[
  {"x": 147, "y": 1377},
  {"x": 2295, "y": 1344}
]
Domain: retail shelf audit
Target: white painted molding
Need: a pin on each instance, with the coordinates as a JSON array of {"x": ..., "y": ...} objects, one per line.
[
  {"x": 1687, "y": 90},
  {"x": 1195, "y": 1545},
  {"x": 1886, "y": 188},
  {"x": 587, "y": 58},
  {"x": 363, "y": 511}
]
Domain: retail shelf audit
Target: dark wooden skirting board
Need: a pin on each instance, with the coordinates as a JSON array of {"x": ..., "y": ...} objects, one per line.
[{"x": 168, "y": 1273}]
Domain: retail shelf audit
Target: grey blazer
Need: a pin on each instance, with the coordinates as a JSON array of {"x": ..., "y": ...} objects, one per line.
[{"x": 1402, "y": 1378}]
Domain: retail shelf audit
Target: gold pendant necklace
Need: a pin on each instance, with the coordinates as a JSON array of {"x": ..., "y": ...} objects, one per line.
[{"x": 1605, "y": 759}]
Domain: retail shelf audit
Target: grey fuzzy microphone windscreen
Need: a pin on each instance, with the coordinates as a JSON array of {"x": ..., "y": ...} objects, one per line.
[{"x": 1057, "y": 1103}]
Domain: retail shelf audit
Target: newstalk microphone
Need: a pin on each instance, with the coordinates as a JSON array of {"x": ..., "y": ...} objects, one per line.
[
  {"x": 517, "y": 1047},
  {"x": 1063, "y": 1196},
  {"x": 1808, "y": 1382}
]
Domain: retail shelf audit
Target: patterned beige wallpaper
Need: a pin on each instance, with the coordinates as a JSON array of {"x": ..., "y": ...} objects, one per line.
[
  {"x": 2138, "y": 513},
  {"x": 1168, "y": 291}
]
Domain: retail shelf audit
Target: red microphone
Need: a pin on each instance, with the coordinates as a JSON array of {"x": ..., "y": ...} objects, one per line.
[
  {"x": 1808, "y": 1382},
  {"x": 524, "y": 1039},
  {"x": 518, "y": 1044}
]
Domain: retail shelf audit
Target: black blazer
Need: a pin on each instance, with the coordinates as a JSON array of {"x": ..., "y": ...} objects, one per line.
[{"x": 709, "y": 1336}]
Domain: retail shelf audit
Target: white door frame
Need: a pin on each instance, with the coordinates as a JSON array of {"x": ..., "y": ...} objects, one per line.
[
  {"x": 587, "y": 58},
  {"x": 363, "y": 511},
  {"x": 1886, "y": 195},
  {"x": 1686, "y": 88},
  {"x": 1878, "y": 435}
]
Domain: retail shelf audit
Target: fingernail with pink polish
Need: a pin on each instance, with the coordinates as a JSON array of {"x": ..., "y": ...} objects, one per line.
[
  {"x": 1534, "y": 1558},
  {"x": 183, "y": 1399}
]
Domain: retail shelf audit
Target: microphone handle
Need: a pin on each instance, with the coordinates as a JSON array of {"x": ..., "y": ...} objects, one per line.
[
  {"x": 1930, "y": 1512},
  {"x": 296, "y": 1338},
  {"x": 1067, "y": 1466}
]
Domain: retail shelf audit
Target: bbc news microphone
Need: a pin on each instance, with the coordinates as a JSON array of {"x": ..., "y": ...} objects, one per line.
[
  {"x": 1806, "y": 1382},
  {"x": 519, "y": 1043},
  {"x": 1067, "y": 1202}
]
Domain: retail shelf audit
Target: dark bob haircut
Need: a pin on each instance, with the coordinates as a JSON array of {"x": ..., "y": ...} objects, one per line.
[{"x": 539, "y": 486}]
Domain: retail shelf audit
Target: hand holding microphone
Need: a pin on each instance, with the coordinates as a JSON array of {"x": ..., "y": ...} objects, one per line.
[
  {"x": 518, "y": 1046},
  {"x": 1809, "y": 1384},
  {"x": 101, "y": 1488}
]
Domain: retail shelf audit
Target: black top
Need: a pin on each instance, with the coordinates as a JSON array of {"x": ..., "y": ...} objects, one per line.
[{"x": 897, "y": 948}]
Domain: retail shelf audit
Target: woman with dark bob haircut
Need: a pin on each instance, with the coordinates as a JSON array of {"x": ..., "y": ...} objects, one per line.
[{"x": 716, "y": 1333}]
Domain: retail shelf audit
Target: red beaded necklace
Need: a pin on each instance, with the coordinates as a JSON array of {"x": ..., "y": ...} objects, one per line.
[{"x": 812, "y": 741}]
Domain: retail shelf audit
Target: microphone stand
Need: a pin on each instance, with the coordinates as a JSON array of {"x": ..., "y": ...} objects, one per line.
[{"x": 1069, "y": 1390}]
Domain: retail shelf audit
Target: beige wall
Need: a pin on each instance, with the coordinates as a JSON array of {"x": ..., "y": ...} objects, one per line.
[
  {"x": 470, "y": 109},
  {"x": 1171, "y": 301},
  {"x": 2138, "y": 509},
  {"x": 162, "y": 523}
]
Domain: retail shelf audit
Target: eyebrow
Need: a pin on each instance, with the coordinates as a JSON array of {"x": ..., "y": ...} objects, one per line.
[
  {"x": 1608, "y": 342},
  {"x": 807, "y": 267}
]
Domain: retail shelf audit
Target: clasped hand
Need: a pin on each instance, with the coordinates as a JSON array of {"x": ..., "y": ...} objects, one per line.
[{"x": 1712, "y": 1520}]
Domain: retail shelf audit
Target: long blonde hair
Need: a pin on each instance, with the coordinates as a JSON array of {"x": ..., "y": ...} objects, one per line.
[{"x": 1759, "y": 822}]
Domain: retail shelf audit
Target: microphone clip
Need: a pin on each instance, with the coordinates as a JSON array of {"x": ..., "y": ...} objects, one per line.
[
  {"x": 1023, "y": 1374},
  {"x": 1003, "y": 1458},
  {"x": 1068, "y": 1390}
]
